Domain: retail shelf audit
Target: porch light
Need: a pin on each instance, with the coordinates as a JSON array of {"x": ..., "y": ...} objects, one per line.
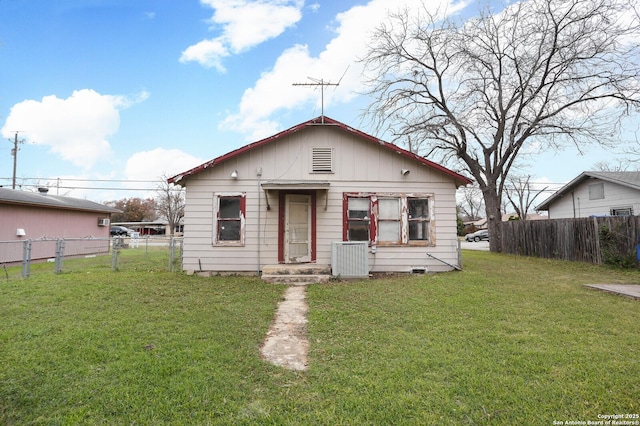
[{"x": 234, "y": 174}]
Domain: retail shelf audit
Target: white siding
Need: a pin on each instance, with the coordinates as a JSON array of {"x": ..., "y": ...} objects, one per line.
[
  {"x": 576, "y": 203},
  {"x": 359, "y": 166}
]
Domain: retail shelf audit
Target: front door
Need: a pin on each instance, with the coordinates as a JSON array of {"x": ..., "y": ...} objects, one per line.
[{"x": 297, "y": 228}]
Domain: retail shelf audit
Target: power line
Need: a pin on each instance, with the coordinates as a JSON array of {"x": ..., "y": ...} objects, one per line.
[
  {"x": 160, "y": 180},
  {"x": 88, "y": 180}
]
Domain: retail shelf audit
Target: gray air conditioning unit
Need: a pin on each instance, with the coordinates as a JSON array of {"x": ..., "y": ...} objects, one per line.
[{"x": 350, "y": 259}]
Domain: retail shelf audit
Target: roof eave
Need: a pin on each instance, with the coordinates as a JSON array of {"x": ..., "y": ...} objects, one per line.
[{"x": 459, "y": 179}]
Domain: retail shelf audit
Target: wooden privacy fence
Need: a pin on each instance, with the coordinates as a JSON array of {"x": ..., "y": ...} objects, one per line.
[{"x": 593, "y": 239}]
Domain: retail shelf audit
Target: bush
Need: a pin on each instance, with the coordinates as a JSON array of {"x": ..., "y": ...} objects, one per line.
[{"x": 612, "y": 248}]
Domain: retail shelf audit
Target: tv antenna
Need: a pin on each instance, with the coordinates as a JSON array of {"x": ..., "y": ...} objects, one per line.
[
  {"x": 14, "y": 153},
  {"x": 322, "y": 84}
]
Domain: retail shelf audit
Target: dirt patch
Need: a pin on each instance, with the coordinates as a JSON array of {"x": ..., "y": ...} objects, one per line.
[{"x": 286, "y": 343}]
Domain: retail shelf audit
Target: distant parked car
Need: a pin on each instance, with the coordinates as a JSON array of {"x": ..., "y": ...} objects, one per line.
[
  {"x": 481, "y": 235},
  {"x": 120, "y": 230}
]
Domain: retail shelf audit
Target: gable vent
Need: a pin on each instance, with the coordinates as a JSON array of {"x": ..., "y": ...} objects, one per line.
[{"x": 322, "y": 160}]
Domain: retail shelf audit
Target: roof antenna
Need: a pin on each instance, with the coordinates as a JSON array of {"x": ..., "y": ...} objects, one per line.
[{"x": 320, "y": 82}]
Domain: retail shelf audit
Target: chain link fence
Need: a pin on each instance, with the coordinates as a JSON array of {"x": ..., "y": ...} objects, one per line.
[{"x": 21, "y": 259}]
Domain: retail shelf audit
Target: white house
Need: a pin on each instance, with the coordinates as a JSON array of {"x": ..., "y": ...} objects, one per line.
[
  {"x": 288, "y": 198},
  {"x": 596, "y": 194}
]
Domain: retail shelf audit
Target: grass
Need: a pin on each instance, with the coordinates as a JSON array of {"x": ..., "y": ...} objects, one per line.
[{"x": 510, "y": 340}]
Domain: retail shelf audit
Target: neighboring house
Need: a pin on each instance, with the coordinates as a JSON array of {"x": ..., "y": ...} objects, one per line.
[
  {"x": 285, "y": 200},
  {"x": 596, "y": 194},
  {"x": 482, "y": 223},
  {"x": 40, "y": 216}
]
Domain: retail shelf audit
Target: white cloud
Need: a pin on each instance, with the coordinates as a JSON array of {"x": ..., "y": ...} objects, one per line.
[
  {"x": 76, "y": 128},
  {"x": 353, "y": 30},
  {"x": 245, "y": 24},
  {"x": 152, "y": 165}
]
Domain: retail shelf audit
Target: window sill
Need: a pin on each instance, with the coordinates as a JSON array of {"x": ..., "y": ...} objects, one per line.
[
  {"x": 409, "y": 244},
  {"x": 228, "y": 244}
]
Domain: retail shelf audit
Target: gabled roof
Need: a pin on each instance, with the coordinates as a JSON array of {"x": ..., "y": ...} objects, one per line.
[
  {"x": 42, "y": 199},
  {"x": 321, "y": 121},
  {"x": 628, "y": 179}
]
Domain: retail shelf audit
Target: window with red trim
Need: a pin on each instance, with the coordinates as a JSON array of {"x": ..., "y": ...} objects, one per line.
[
  {"x": 229, "y": 218},
  {"x": 419, "y": 219},
  {"x": 358, "y": 222},
  {"x": 388, "y": 219}
]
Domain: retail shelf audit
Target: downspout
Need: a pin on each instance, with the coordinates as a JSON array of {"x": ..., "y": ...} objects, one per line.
[{"x": 259, "y": 174}]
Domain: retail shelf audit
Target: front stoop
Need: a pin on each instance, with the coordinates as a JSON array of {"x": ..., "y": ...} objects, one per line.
[{"x": 296, "y": 274}]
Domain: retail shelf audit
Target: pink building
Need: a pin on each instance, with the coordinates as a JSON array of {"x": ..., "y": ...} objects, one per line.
[{"x": 41, "y": 217}]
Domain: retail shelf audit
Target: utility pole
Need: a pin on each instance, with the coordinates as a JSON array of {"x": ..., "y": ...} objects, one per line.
[{"x": 14, "y": 152}]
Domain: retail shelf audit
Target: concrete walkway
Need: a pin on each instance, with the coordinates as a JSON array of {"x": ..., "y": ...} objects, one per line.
[
  {"x": 286, "y": 343},
  {"x": 629, "y": 290}
]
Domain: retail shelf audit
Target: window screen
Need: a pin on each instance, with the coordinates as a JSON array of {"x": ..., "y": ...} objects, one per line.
[
  {"x": 622, "y": 211},
  {"x": 358, "y": 219},
  {"x": 418, "y": 218},
  {"x": 229, "y": 224},
  {"x": 389, "y": 220}
]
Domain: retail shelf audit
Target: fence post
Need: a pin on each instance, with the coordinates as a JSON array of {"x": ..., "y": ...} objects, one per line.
[
  {"x": 59, "y": 255},
  {"x": 26, "y": 258},
  {"x": 115, "y": 254},
  {"x": 171, "y": 254},
  {"x": 598, "y": 256}
]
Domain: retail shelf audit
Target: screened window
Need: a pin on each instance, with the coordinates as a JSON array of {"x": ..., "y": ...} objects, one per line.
[
  {"x": 622, "y": 211},
  {"x": 388, "y": 219},
  {"x": 230, "y": 213},
  {"x": 358, "y": 219},
  {"x": 419, "y": 223}
]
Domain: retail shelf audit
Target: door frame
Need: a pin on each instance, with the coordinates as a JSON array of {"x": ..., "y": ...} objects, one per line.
[{"x": 282, "y": 200}]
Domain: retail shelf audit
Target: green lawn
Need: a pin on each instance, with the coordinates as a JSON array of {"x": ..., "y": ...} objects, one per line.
[{"x": 510, "y": 340}]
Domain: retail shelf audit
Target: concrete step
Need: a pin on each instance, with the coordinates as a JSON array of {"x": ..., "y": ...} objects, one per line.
[
  {"x": 295, "y": 279},
  {"x": 297, "y": 269}
]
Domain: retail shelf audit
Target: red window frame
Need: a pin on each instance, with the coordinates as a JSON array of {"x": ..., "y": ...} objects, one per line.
[
  {"x": 404, "y": 222},
  {"x": 220, "y": 220}
]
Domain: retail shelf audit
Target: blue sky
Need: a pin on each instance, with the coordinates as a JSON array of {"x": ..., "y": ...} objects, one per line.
[{"x": 106, "y": 91}]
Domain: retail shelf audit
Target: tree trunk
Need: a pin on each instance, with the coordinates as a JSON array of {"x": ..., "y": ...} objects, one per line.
[{"x": 494, "y": 219}]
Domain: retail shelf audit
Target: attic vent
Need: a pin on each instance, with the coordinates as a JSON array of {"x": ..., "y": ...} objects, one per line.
[{"x": 322, "y": 160}]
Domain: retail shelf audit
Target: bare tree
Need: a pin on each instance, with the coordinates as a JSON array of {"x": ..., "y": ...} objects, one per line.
[
  {"x": 170, "y": 202},
  {"x": 470, "y": 202},
  {"x": 539, "y": 75},
  {"x": 521, "y": 195},
  {"x": 607, "y": 166}
]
